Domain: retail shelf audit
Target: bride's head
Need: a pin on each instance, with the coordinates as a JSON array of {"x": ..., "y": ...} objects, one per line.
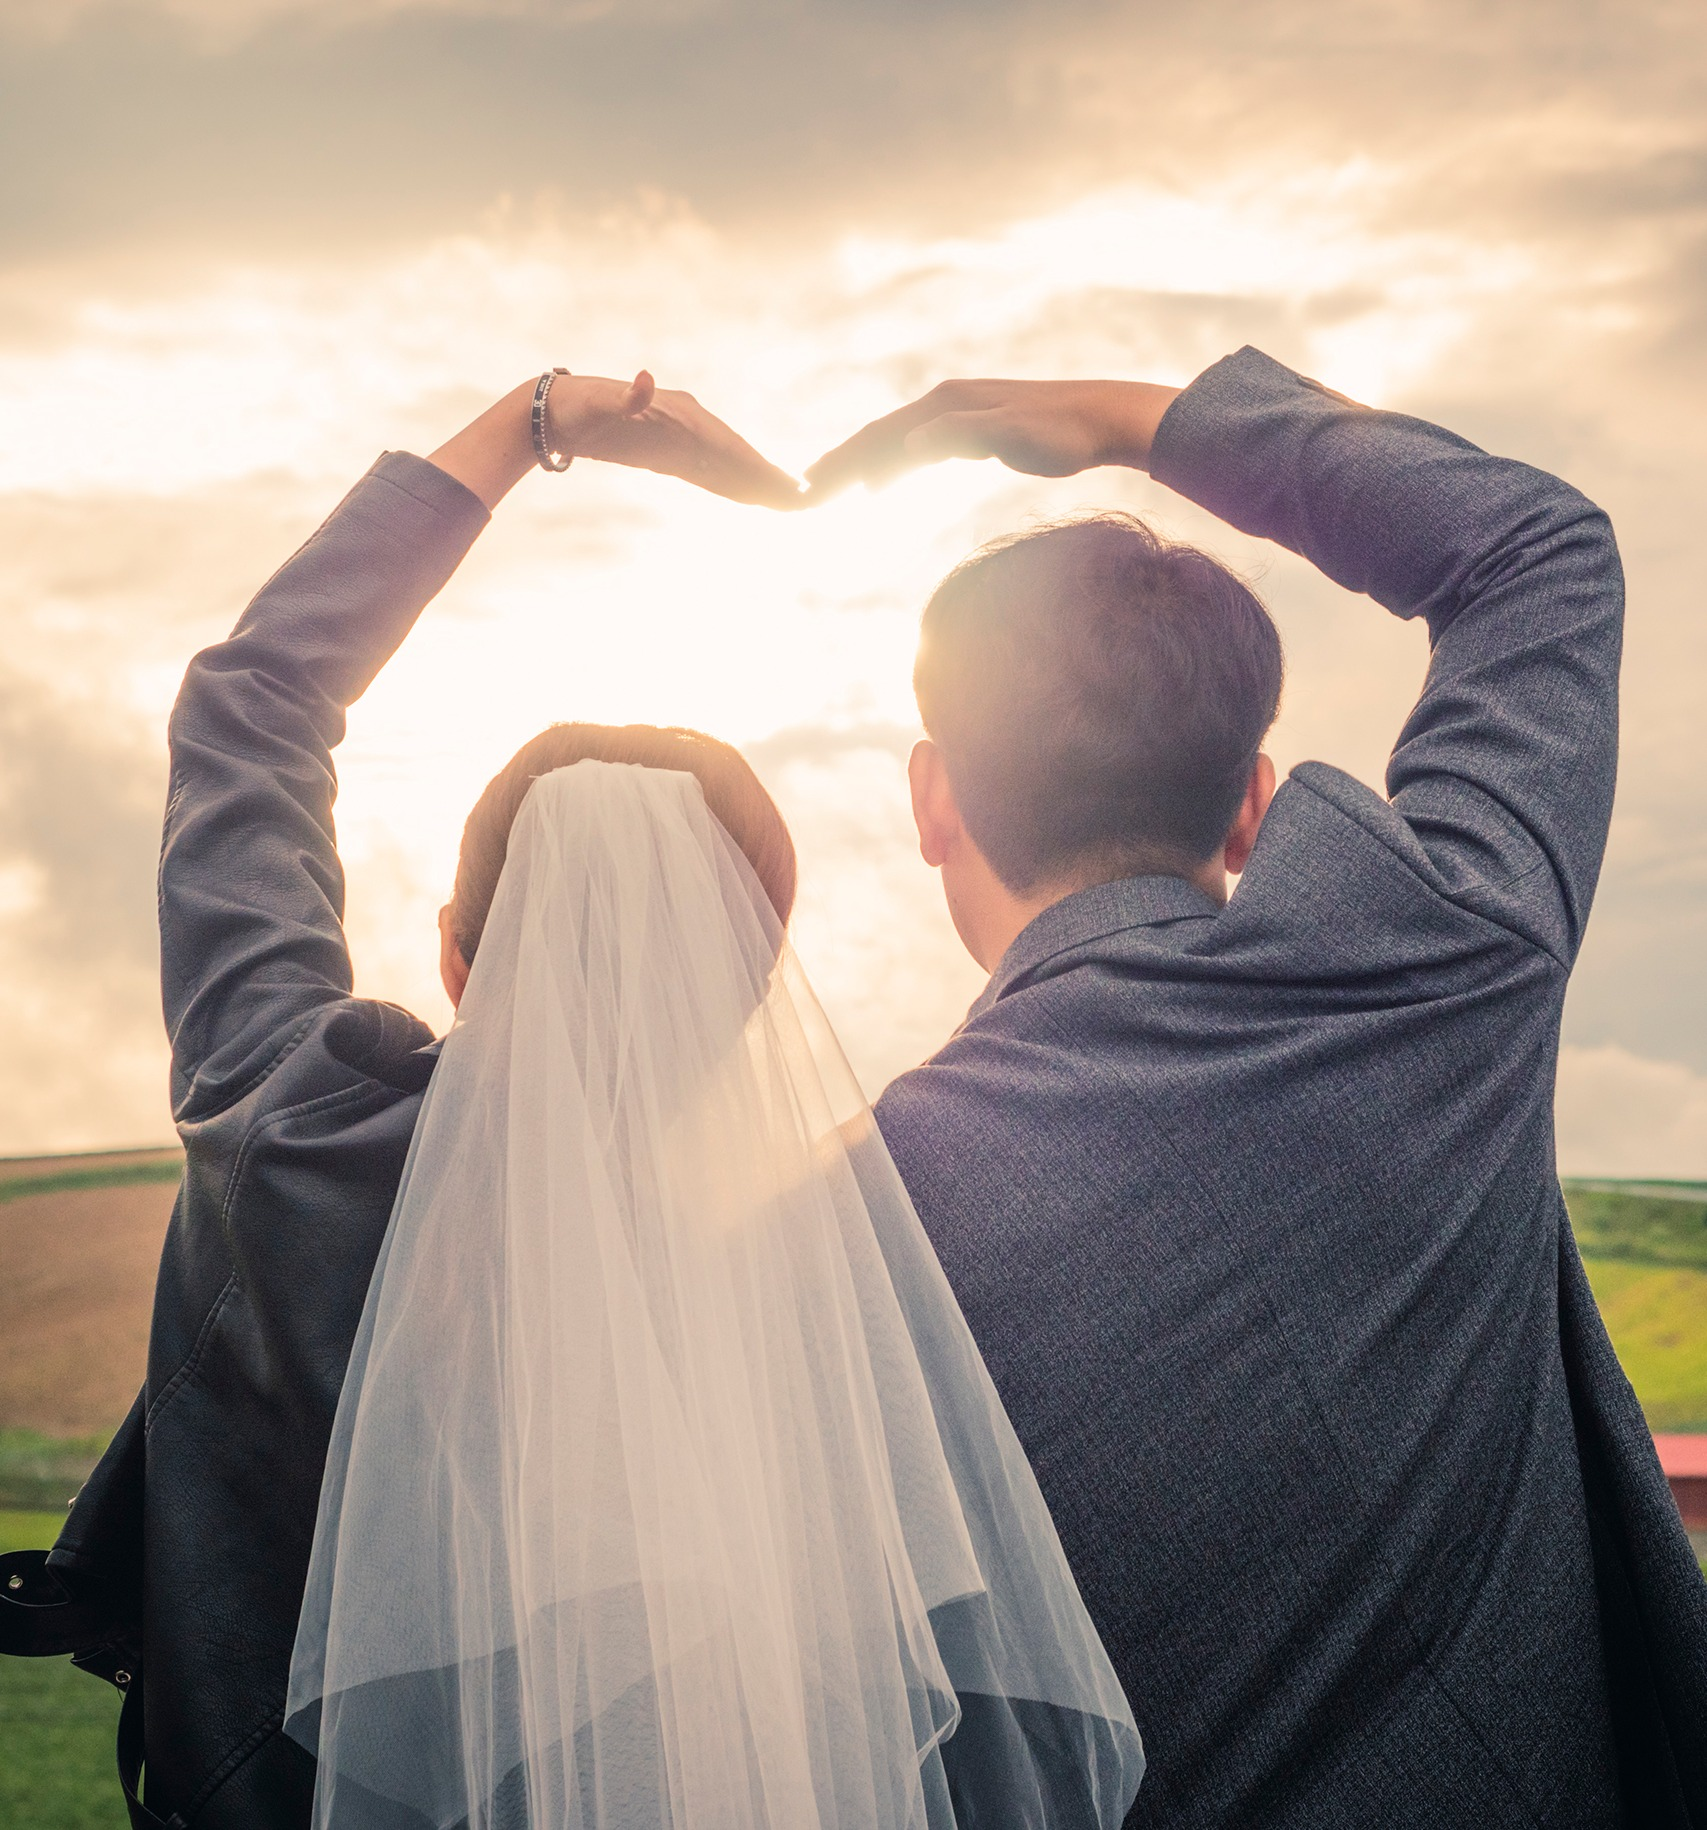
[{"x": 733, "y": 795}]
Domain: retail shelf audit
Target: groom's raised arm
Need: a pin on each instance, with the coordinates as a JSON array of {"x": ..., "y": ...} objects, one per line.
[{"x": 1505, "y": 770}]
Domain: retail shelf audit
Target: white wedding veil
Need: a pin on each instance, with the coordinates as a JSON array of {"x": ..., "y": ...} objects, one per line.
[{"x": 667, "y": 1489}]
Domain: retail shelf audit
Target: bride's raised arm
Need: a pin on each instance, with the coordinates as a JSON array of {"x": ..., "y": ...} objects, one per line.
[{"x": 251, "y": 889}]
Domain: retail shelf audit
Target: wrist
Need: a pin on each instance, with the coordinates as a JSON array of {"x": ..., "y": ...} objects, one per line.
[
  {"x": 493, "y": 453},
  {"x": 1130, "y": 412}
]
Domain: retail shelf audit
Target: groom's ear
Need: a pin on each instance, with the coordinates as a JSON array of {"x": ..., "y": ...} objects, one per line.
[
  {"x": 1242, "y": 836},
  {"x": 934, "y": 810}
]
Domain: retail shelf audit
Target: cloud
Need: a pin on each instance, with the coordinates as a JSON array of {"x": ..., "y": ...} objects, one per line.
[
  {"x": 80, "y": 799},
  {"x": 103, "y": 596},
  {"x": 1620, "y": 1114},
  {"x": 297, "y": 124},
  {"x": 256, "y": 250},
  {"x": 212, "y": 25}
]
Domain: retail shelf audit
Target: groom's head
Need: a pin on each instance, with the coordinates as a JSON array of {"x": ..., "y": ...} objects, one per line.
[{"x": 1096, "y": 699}]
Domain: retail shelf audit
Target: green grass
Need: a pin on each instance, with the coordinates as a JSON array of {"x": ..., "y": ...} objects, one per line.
[
  {"x": 57, "y": 1726},
  {"x": 40, "y": 1473},
  {"x": 1644, "y": 1246},
  {"x": 1657, "y": 1317},
  {"x": 29, "y": 1530},
  {"x": 1653, "y": 1223},
  {"x": 120, "y": 1175}
]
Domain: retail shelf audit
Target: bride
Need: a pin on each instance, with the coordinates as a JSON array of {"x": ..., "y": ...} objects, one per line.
[
  {"x": 656, "y": 1484},
  {"x": 667, "y": 1487}
]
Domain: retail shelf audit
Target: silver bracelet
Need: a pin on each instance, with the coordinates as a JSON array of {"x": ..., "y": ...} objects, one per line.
[{"x": 548, "y": 458}]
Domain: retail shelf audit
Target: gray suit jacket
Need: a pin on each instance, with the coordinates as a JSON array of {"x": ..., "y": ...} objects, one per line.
[{"x": 1253, "y": 1210}]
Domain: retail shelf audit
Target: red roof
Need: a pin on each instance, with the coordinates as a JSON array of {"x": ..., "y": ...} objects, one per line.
[{"x": 1683, "y": 1457}]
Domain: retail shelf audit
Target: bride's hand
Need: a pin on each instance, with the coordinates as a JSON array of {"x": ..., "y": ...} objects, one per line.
[
  {"x": 664, "y": 430},
  {"x": 622, "y": 422}
]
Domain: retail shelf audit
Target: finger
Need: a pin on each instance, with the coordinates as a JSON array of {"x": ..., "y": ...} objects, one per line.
[
  {"x": 736, "y": 469},
  {"x": 760, "y": 484},
  {"x": 639, "y": 395},
  {"x": 838, "y": 467},
  {"x": 955, "y": 435},
  {"x": 874, "y": 451},
  {"x": 877, "y": 451},
  {"x": 868, "y": 457}
]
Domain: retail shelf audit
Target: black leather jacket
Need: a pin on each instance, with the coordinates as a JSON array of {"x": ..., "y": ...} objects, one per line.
[{"x": 295, "y": 1101}]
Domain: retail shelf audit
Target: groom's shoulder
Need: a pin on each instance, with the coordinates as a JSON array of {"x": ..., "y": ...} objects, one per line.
[
  {"x": 1005, "y": 1096},
  {"x": 929, "y": 1116},
  {"x": 993, "y": 1064}
]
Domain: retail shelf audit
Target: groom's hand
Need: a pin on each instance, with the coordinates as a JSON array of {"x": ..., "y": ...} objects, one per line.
[
  {"x": 1043, "y": 428},
  {"x": 663, "y": 430}
]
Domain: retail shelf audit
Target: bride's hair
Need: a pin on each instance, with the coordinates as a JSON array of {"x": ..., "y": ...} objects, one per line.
[{"x": 733, "y": 793}]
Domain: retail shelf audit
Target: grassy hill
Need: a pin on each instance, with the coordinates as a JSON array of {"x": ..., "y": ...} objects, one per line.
[{"x": 1644, "y": 1245}]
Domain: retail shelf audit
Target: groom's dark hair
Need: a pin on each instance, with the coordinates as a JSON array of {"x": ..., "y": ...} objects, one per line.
[{"x": 1099, "y": 696}]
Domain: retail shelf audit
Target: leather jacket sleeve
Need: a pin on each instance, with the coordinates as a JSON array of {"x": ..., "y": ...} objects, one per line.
[{"x": 251, "y": 889}]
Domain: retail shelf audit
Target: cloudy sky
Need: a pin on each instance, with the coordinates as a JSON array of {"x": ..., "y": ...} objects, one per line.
[{"x": 247, "y": 244}]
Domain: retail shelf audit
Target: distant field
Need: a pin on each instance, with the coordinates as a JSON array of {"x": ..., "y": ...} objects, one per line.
[
  {"x": 1641, "y": 1222},
  {"x": 164, "y": 1167},
  {"x": 1657, "y": 1317},
  {"x": 1644, "y": 1247},
  {"x": 39, "y": 1473},
  {"x": 80, "y": 1239}
]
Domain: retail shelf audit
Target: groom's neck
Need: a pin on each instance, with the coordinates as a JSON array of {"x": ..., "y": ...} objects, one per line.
[{"x": 990, "y": 917}]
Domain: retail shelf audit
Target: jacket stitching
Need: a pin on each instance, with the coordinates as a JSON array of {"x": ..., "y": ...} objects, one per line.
[
  {"x": 439, "y": 511},
  {"x": 177, "y": 1381},
  {"x": 1523, "y": 940},
  {"x": 1028, "y": 972},
  {"x": 239, "y": 1754},
  {"x": 291, "y": 1043},
  {"x": 270, "y": 1123},
  {"x": 233, "y": 1284}
]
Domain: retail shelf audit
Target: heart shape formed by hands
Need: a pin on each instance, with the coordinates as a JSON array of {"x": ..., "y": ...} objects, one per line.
[{"x": 1040, "y": 428}]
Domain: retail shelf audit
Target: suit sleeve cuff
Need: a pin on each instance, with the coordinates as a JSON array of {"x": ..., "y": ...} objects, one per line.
[
  {"x": 1220, "y": 440},
  {"x": 434, "y": 489}
]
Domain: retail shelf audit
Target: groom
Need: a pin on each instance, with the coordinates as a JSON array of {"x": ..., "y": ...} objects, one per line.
[{"x": 1249, "y": 1197}]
